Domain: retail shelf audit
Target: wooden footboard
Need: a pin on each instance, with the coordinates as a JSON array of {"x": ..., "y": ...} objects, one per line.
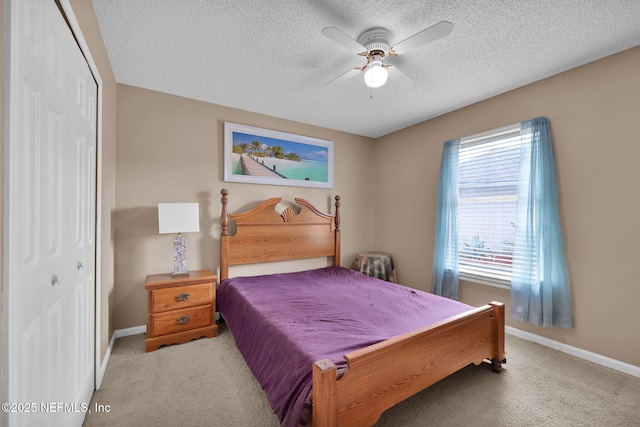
[{"x": 384, "y": 374}]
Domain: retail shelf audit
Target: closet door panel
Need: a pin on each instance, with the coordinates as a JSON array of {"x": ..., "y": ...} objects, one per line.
[{"x": 50, "y": 212}]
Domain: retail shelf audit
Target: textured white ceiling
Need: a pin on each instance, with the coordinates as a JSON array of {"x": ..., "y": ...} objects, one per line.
[{"x": 269, "y": 57}]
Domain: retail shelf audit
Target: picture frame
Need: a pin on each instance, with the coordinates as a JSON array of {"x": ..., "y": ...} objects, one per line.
[{"x": 261, "y": 156}]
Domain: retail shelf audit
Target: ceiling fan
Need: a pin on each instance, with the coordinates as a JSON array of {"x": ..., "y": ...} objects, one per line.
[{"x": 374, "y": 45}]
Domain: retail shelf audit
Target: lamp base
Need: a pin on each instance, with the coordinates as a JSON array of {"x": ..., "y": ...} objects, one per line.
[
  {"x": 179, "y": 273},
  {"x": 180, "y": 256}
]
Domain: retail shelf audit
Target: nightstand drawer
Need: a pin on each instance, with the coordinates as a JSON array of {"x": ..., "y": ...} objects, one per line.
[
  {"x": 179, "y": 297},
  {"x": 181, "y": 320}
]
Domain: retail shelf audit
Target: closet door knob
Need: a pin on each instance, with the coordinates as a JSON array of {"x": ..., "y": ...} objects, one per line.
[
  {"x": 80, "y": 265},
  {"x": 56, "y": 279}
]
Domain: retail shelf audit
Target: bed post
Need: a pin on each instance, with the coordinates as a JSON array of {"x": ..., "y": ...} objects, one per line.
[
  {"x": 224, "y": 237},
  {"x": 498, "y": 311},
  {"x": 325, "y": 399},
  {"x": 336, "y": 257}
]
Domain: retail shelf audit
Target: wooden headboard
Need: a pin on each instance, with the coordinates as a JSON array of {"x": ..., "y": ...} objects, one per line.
[{"x": 263, "y": 235}]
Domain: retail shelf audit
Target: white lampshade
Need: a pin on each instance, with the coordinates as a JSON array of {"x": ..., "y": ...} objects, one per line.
[
  {"x": 178, "y": 218},
  {"x": 376, "y": 75}
]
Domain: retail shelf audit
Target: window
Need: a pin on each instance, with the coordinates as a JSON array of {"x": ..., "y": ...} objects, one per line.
[
  {"x": 488, "y": 172},
  {"x": 498, "y": 221}
]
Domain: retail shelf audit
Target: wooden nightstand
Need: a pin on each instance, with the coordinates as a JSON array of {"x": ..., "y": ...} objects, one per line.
[{"x": 181, "y": 308}]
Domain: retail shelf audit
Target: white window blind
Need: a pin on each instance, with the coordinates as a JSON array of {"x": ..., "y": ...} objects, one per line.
[{"x": 489, "y": 169}]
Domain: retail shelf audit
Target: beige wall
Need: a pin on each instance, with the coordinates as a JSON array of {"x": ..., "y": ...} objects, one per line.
[
  {"x": 593, "y": 112},
  {"x": 170, "y": 149}
]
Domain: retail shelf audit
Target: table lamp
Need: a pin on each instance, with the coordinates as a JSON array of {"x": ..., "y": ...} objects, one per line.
[{"x": 178, "y": 218}]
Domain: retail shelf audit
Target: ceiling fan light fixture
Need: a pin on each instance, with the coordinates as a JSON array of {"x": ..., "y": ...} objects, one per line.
[{"x": 376, "y": 75}]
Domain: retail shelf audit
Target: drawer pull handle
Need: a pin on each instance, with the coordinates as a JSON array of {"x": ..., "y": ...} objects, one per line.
[
  {"x": 183, "y": 319},
  {"x": 183, "y": 296}
]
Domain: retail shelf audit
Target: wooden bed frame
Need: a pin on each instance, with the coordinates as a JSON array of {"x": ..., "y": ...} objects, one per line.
[{"x": 381, "y": 375}]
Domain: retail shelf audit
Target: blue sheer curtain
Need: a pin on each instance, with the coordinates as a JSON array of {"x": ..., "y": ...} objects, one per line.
[
  {"x": 540, "y": 291},
  {"x": 444, "y": 281}
]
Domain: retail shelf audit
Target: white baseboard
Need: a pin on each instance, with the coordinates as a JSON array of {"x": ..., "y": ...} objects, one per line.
[
  {"x": 578, "y": 352},
  {"x": 105, "y": 361},
  {"x": 574, "y": 351},
  {"x": 118, "y": 333}
]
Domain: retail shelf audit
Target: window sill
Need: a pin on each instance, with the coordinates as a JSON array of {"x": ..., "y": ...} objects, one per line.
[{"x": 496, "y": 283}]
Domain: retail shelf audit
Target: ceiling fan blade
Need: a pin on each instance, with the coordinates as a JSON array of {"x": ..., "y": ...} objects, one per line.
[
  {"x": 399, "y": 77},
  {"x": 346, "y": 76},
  {"x": 341, "y": 38},
  {"x": 432, "y": 33}
]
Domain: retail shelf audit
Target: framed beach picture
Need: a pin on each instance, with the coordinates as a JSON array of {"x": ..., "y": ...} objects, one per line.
[{"x": 261, "y": 156}]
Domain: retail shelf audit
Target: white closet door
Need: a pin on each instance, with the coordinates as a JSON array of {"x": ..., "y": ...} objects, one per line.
[{"x": 50, "y": 213}]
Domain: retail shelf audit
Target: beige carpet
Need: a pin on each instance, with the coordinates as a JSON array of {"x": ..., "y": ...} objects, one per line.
[{"x": 207, "y": 383}]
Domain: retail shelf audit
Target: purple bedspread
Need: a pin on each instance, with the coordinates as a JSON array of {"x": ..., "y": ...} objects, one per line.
[{"x": 283, "y": 323}]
